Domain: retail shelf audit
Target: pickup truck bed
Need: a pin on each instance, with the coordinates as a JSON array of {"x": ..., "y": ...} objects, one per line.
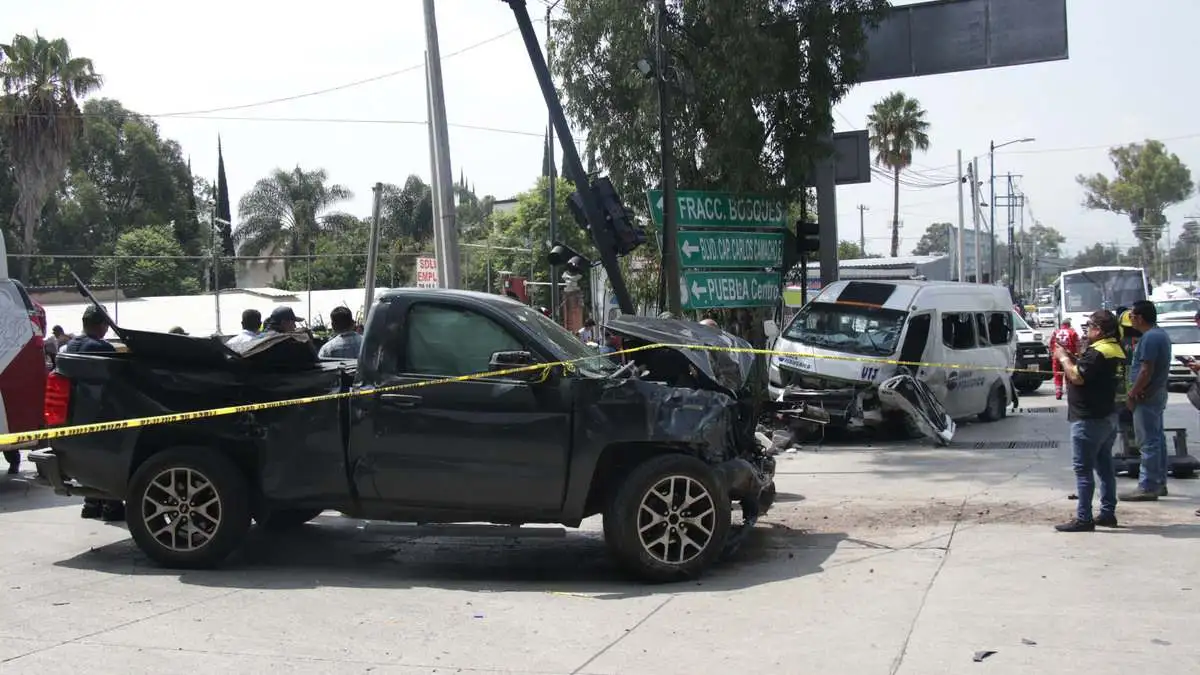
[{"x": 662, "y": 447}]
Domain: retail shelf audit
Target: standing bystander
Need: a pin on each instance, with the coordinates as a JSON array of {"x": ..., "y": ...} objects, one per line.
[
  {"x": 1094, "y": 383},
  {"x": 1148, "y": 400},
  {"x": 347, "y": 343},
  {"x": 95, "y": 327}
]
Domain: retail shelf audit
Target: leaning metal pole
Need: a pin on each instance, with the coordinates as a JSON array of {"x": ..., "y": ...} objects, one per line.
[{"x": 601, "y": 237}]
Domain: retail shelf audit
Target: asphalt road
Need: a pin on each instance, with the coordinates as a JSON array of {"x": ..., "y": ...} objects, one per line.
[{"x": 879, "y": 558}]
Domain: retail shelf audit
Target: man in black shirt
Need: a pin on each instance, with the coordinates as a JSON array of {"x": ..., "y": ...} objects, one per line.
[
  {"x": 1095, "y": 380},
  {"x": 92, "y": 341}
]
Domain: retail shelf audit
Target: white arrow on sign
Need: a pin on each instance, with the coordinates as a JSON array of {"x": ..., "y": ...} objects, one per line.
[
  {"x": 697, "y": 289},
  {"x": 659, "y": 204},
  {"x": 688, "y": 249}
]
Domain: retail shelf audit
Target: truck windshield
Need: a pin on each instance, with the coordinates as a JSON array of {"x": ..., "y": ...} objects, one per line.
[
  {"x": 1190, "y": 305},
  {"x": 567, "y": 347},
  {"x": 847, "y": 328}
]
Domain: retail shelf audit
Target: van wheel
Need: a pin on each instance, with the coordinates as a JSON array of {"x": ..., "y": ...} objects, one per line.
[
  {"x": 188, "y": 508},
  {"x": 669, "y": 519},
  {"x": 997, "y": 405}
]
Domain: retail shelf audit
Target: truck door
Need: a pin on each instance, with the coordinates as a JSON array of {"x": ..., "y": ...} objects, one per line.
[{"x": 494, "y": 443}]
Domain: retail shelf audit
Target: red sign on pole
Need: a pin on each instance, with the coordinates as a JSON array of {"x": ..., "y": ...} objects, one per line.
[{"x": 427, "y": 272}]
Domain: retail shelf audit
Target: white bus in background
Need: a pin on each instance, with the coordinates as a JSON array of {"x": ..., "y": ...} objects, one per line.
[{"x": 1078, "y": 293}]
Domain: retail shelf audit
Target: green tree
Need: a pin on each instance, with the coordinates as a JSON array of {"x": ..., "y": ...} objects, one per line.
[
  {"x": 527, "y": 225},
  {"x": 284, "y": 212},
  {"x": 1096, "y": 255},
  {"x": 224, "y": 222},
  {"x": 935, "y": 240},
  {"x": 850, "y": 250},
  {"x": 39, "y": 119},
  {"x": 1042, "y": 241},
  {"x": 143, "y": 271},
  {"x": 122, "y": 175},
  {"x": 898, "y": 128},
  {"x": 751, "y": 81},
  {"x": 1148, "y": 180}
]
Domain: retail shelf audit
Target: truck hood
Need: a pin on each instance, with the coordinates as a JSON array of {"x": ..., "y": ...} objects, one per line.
[{"x": 727, "y": 370}]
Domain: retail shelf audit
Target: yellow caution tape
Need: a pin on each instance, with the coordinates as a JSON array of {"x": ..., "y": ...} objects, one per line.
[{"x": 23, "y": 437}]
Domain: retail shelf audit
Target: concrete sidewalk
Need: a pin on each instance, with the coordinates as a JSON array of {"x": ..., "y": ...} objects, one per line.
[{"x": 884, "y": 558}]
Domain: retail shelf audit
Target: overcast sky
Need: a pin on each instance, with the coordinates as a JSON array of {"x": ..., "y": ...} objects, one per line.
[{"x": 1121, "y": 84}]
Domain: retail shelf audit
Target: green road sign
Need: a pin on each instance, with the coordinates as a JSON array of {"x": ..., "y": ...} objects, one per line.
[
  {"x": 705, "y": 290},
  {"x": 720, "y": 209},
  {"x": 715, "y": 248}
]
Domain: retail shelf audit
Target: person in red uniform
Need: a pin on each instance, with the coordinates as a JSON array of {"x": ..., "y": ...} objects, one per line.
[{"x": 1069, "y": 340}]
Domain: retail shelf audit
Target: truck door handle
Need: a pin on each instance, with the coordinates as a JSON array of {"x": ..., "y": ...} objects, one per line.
[{"x": 400, "y": 400}]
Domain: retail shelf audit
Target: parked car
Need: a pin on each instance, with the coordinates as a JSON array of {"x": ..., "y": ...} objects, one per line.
[
  {"x": 662, "y": 446},
  {"x": 1047, "y": 317},
  {"x": 1185, "y": 342},
  {"x": 1032, "y": 355}
]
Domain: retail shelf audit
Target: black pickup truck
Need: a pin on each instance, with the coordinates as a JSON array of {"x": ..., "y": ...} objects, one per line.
[{"x": 662, "y": 445}]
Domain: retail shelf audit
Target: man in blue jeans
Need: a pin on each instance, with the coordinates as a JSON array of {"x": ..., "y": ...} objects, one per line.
[
  {"x": 1095, "y": 380},
  {"x": 1148, "y": 400}
]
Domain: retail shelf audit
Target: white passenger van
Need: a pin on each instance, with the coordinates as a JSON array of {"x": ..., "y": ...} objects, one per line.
[{"x": 840, "y": 344}]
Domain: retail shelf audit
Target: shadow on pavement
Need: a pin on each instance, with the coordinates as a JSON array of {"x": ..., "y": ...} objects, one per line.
[
  {"x": 338, "y": 551},
  {"x": 23, "y": 492},
  {"x": 1176, "y": 531}
]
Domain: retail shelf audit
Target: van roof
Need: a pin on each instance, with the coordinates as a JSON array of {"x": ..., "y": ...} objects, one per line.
[{"x": 904, "y": 293}]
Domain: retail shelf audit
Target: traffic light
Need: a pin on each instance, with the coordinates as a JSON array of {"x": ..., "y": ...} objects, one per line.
[
  {"x": 627, "y": 234},
  {"x": 562, "y": 255},
  {"x": 808, "y": 237}
]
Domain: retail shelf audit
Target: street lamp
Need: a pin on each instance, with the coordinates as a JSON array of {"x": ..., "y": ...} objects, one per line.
[{"x": 992, "y": 220}]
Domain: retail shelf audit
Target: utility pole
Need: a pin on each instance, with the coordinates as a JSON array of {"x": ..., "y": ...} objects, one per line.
[
  {"x": 670, "y": 249},
  {"x": 373, "y": 250},
  {"x": 975, "y": 219},
  {"x": 862, "y": 239},
  {"x": 1009, "y": 203},
  {"x": 555, "y": 310},
  {"x": 959, "y": 248},
  {"x": 448, "y": 261},
  {"x": 434, "y": 196}
]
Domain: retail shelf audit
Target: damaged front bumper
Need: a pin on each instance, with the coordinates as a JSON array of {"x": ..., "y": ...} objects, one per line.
[{"x": 867, "y": 405}]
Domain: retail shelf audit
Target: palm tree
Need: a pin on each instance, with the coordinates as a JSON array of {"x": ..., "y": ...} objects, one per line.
[
  {"x": 898, "y": 128},
  {"x": 39, "y": 120},
  {"x": 284, "y": 212}
]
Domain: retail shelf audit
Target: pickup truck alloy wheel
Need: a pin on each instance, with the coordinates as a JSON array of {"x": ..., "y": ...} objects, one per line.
[
  {"x": 668, "y": 519},
  {"x": 188, "y": 507},
  {"x": 181, "y": 508},
  {"x": 676, "y": 520}
]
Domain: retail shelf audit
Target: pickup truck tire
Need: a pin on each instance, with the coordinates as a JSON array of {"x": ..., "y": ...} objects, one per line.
[
  {"x": 188, "y": 508},
  {"x": 287, "y": 519},
  {"x": 668, "y": 520}
]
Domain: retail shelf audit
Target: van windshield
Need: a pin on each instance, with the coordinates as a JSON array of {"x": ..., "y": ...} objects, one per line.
[{"x": 853, "y": 329}]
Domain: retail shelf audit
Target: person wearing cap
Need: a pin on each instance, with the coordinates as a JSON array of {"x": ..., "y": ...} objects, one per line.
[
  {"x": 1148, "y": 400},
  {"x": 95, "y": 328},
  {"x": 1068, "y": 339},
  {"x": 1094, "y": 381},
  {"x": 347, "y": 343},
  {"x": 251, "y": 323},
  {"x": 281, "y": 320}
]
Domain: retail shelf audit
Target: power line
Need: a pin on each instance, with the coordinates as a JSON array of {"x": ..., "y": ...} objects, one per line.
[
  {"x": 340, "y": 87},
  {"x": 311, "y": 120}
]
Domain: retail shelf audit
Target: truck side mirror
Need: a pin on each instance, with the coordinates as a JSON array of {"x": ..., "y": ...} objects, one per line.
[{"x": 517, "y": 359}]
